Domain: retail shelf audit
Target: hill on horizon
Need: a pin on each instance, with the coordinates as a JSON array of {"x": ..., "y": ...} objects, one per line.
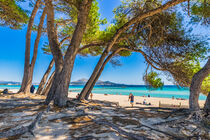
[
  {"x": 99, "y": 82},
  {"x": 78, "y": 82}
]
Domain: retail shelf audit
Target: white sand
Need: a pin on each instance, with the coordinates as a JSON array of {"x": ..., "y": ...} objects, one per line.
[{"x": 123, "y": 100}]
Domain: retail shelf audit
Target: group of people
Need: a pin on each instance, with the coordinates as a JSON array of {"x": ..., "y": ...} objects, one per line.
[{"x": 131, "y": 99}]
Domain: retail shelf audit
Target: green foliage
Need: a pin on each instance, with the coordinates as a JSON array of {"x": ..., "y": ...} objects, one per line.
[
  {"x": 125, "y": 53},
  {"x": 11, "y": 14},
  {"x": 69, "y": 10},
  {"x": 205, "y": 87},
  {"x": 94, "y": 21},
  {"x": 46, "y": 49},
  {"x": 152, "y": 81},
  {"x": 201, "y": 12}
]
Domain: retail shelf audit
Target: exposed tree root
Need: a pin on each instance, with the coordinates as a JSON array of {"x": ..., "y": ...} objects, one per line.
[
  {"x": 87, "y": 138},
  {"x": 177, "y": 137},
  {"x": 196, "y": 116},
  {"x": 185, "y": 111},
  {"x": 119, "y": 130},
  {"x": 20, "y": 105},
  {"x": 170, "y": 121},
  {"x": 24, "y": 129}
]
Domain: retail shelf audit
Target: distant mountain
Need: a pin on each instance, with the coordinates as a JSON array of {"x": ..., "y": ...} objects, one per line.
[
  {"x": 99, "y": 82},
  {"x": 9, "y": 83},
  {"x": 78, "y": 82}
]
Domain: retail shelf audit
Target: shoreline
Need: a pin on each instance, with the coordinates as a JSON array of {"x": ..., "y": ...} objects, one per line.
[
  {"x": 138, "y": 100},
  {"x": 164, "y": 93}
]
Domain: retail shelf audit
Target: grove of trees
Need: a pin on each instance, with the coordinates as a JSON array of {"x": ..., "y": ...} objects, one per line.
[{"x": 153, "y": 28}]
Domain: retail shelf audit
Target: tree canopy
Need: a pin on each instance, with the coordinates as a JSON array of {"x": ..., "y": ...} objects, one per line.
[{"x": 11, "y": 14}]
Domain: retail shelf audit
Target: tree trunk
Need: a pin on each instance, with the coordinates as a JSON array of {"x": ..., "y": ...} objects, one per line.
[
  {"x": 36, "y": 45},
  {"x": 44, "y": 78},
  {"x": 60, "y": 86},
  {"x": 48, "y": 85},
  {"x": 25, "y": 87},
  {"x": 196, "y": 85},
  {"x": 54, "y": 46},
  {"x": 207, "y": 104},
  {"x": 117, "y": 35},
  {"x": 93, "y": 76},
  {"x": 100, "y": 72},
  {"x": 62, "y": 78}
]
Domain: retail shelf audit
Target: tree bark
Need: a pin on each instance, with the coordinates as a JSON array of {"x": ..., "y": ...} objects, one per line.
[
  {"x": 35, "y": 51},
  {"x": 44, "y": 78},
  {"x": 60, "y": 86},
  {"x": 99, "y": 73},
  {"x": 25, "y": 81},
  {"x": 207, "y": 104},
  {"x": 59, "y": 89},
  {"x": 196, "y": 86},
  {"x": 48, "y": 84},
  {"x": 54, "y": 46},
  {"x": 95, "y": 76},
  {"x": 117, "y": 35}
]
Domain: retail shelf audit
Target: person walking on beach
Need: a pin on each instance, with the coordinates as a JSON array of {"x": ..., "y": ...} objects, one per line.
[{"x": 131, "y": 98}]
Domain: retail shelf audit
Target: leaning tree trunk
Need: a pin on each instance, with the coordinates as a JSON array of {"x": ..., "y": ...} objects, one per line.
[
  {"x": 48, "y": 85},
  {"x": 44, "y": 78},
  {"x": 97, "y": 75},
  {"x": 59, "y": 89},
  {"x": 196, "y": 86},
  {"x": 207, "y": 104},
  {"x": 60, "y": 86},
  {"x": 123, "y": 28},
  {"x": 25, "y": 81},
  {"x": 93, "y": 76}
]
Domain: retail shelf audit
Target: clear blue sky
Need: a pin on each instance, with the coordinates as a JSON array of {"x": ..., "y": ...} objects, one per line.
[{"x": 13, "y": 47}]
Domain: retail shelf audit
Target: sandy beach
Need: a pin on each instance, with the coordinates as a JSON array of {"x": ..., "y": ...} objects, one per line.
[
  {"x": 138, "y": 100},
  {"x": 123, "y": 100},
  {"x": 20, "y": 110}
]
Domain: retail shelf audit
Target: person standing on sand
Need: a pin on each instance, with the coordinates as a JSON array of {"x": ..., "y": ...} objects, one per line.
[
  {"x": 131, "y": 98},
  {"x": 32, "y": 89},
  {"x": 91, "y": 95}
]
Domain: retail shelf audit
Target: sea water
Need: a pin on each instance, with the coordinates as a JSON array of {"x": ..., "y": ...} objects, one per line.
[{"x": 167, "y": 91}]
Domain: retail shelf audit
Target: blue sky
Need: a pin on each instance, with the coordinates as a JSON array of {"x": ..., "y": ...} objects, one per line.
[{"x": 13, "y": 49}]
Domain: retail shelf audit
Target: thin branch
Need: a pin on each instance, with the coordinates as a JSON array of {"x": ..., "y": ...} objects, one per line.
[
  {"x": 145, "y": 56},
  {"x": 63, "y": 40},
  {"x": 91, "y": 45},
  {"x": 64, "y": 22}
]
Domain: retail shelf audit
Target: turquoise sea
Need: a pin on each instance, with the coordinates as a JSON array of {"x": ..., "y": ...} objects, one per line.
[{"x": 167, "y": 92}]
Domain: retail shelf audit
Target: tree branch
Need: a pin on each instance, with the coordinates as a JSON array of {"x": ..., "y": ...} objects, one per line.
[
  {"x": 145, "y": 56},
  {"x": 141, "y": 17},
  {"x": 63, "y": 40},
  {"x": 91, "y": 45}
]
